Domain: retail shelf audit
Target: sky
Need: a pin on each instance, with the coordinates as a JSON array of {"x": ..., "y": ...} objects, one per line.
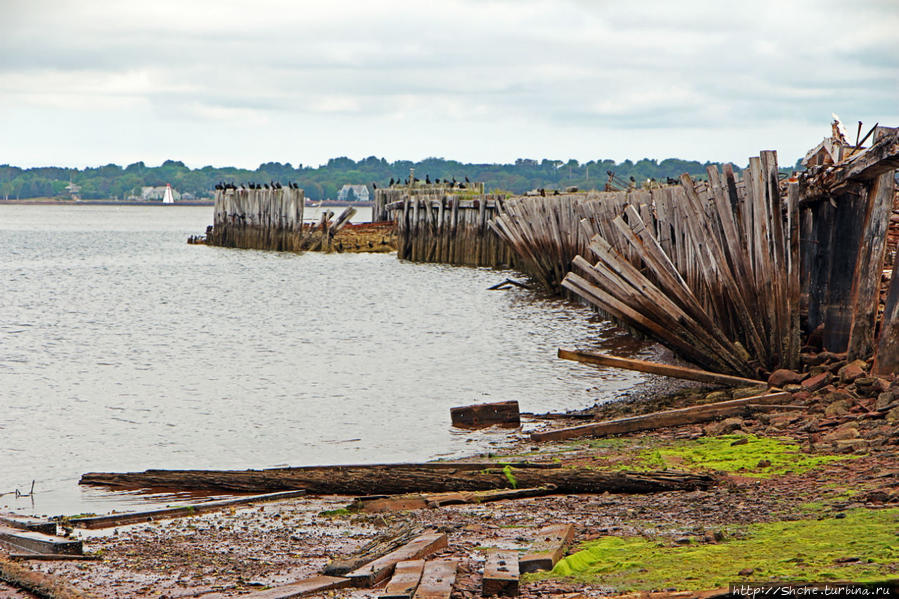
[{"x": 226, "y": 83}]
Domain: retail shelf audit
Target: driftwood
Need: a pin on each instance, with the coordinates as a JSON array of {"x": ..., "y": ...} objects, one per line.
[
  {"x": 193, "y": 509},
  {"x": 47, "y": 527},
  {"x": 377, "y": 547},
  {"x": 38, "y": 542},
  {"x": 313, "y": 586},
  {"x": 380, "y": 569},
  {"x": 548, "y": 548},
  {"x": 38, "y": 583},
  {"x": 501, "y": 574},
  {"x": 678, "y": 417},
  {"x": 437, "y": 580},
  {"x": 678, "y": 372},
  {"x": 406, "y": 576},
  {"x": 503, "y": 413},
  {"x": 389, "y": 503},
  {"x": 403, "y": 478}
]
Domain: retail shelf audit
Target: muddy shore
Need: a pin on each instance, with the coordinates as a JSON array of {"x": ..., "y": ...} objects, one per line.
[{"x": 831, "y": 462}]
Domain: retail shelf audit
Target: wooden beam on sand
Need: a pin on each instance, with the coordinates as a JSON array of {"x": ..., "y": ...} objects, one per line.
[
  {"x": 37, "y": 542},
  {"x": 302, "y": 588},
  {"x": 419, "y": 547},
  {"x": 437, "y": 580},
  {"x": 500, "y": 574},
  {"x": 48, "y": 527},
  {"x": 406, "y": 576},
  {"x": 679, "y": 372},
  {"x": 667, "y": 418},
  {"x": 38, "y": 583},
  {"x": 193, "y": 509},
  {"x": 547, "y": 549}
]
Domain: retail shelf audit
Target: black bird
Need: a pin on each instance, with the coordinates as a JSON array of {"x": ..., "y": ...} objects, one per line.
[
  {"x": 391, "y": 182},
  {"x": 461, "y": 185},
  {"x": 265, "y": 185},
  {"x": 437, "y": 181},
  {"x": 454, "y": 181},
  {"x": 218, "y": 186},
  {"x": 466, "y": 179},
  {"x": 555, "y": 192},
  {"x": 428, "y": 179},
  {"x": 542, "y": 192},
  {"x": 374, "y": 185}
]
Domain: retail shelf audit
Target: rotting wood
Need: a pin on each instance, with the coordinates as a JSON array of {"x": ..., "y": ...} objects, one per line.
[
  {"x": 376, "y": 571},
  {"x": 406, "y": 576},
  {"x": 500, "y": 574},
  {"x": 40, "y": 584},
  {"x": 47, "y": 527},
  {"x": 503, "y": 413},
  {"x": 193, "y": 509},
  {"x": 437, "y": 580},
  {"x": 679, "y": 372},
  {"x": 435, "y": 500},
  {"x": 378, "y": 547},
  {"x": 667, "y": 418},
  {"x": 52, "y": 557},
  {"x": 548, "y": 548},
  {"x": 402, "y": 478},
  {"x": 301, "y": 588},
  {"x": 37, "y": 542},
  {"x": 887, "y": 359}
]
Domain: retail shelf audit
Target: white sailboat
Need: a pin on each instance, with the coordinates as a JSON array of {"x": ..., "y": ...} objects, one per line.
[{"x": 168, "y": 198}]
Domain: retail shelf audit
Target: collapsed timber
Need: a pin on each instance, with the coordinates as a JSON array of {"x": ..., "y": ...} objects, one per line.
[
  {"x": 732, "y": 274},
  {"x": 272, "y": 219}
]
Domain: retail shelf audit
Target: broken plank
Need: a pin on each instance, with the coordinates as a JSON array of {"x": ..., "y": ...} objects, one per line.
[
  {"x": 47, "y": 527},
  {"x": 503, "y": 413},
  {"x": 376, "y": 571},
  {"x": 676, "y": 417},
  {"x": 37, "y": 542},
  {"x": 52, "y": 557},
  {"x": 379, "y": 546},
  {"x": 301, "y": 588},
  {"x": 547, "y": 549},
  {"x": 434, "y": 500},
  {"x": 679, "y": 372},
  {"x": 437, "y": 580},
  {"x": 406, "y": 576},
  {"x": 500, "y": 574},
  {"x": 193, "y": 509}
]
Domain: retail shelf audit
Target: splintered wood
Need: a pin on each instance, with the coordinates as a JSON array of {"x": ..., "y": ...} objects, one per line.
[{"x": 705, "y": 268}]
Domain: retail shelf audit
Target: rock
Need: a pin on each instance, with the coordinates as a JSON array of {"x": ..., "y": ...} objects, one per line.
[
  {"x": 886, "y": 400},
  {"x": 850, "y": 445},
  {"x": 893, "y": 415},
  {"x": 783, "y": 376},
  {"x": 881, "y": 385},
  {"x": 740, "y": 441},
  {"x": 792, "y": 388},
  {"x": 837, "y": 408},
  {"x": 801, "y": 397},
  {"x": 816, "y": 382},
  {"x": 723, "y": 427},
  {"x": 813, "y": 359},
  {"x": 865, "y": 386},
  {"x": 763, "y": 464},
  {"x": 816, "y": 370},
  {"x": 742, "y": 392},
  {"x": 718, "y": 396},
  {"x": 810, "y": 427},
  {"x": 835, "y": 367},
  {"x": 847, "y": 431},
  {"x": 683, "y": 540},
  {"x": 850, "y": 372},
  {"x": 746, "y": 572}
]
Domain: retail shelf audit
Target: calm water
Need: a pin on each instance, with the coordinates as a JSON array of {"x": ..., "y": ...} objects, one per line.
[{"x": 124, "y": 348}]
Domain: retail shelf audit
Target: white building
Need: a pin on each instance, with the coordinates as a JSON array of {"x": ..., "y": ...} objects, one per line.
[{"x": 360, "y": 193}]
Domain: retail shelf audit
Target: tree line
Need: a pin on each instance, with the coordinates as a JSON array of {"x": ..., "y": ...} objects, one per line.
[{"x": 322, "y": 182}]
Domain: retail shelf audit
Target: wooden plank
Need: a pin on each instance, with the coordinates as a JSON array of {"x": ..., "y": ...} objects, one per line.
[
  {"x": 406, "y": 576},
  {"x": 504, "y": 413},
  {"x": 37, "y": 542},
  {"x": 676, "y": 417},
  {"x": 547, "y": 549},
  {"x": 679, "y": 372},
  {"x": 28, "y": 523},
  {"x": 434, "y": 500},
  {"x": 376, "y": 571},
  {"x": 865, "y": 294},
  {"x": 437, "y": 580},
  {"x": 500, "y": 574},
  {"x": 886, "y": 361},
  {"x": 193, "y": 509},
  {"x": 301, "y": 588},
  {"x": 38, "y": 583},
  {"x": 52, "y": 557}
]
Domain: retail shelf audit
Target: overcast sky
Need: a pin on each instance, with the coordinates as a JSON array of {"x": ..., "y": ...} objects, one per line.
[{"x": 89, "y": 82}]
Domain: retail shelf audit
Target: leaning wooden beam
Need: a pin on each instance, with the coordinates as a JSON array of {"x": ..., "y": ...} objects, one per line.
[
  {"x": 38, "y": 583},
  {"x": 419, "y": 547},
  {"x": 374, "y": 549},
  {"x": 678, "y": 372},
  {"x": 881, "y": 157},
  {"x": 93, "y": 522},
  {"x": 677, "y": 417},
  {"x": 403, "y": 478},
  {"x": 302, "y": 588}
]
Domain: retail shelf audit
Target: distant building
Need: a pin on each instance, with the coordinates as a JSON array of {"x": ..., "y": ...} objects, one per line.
[
  {"x": 153, "y": 193},
  {"x": 74, "y": 190},
  {"x": 359, "y": 193}
]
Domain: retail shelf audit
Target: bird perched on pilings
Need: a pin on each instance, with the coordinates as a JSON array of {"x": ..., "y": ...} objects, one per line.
[
  {"x": 427, "y": 178},
  {"x": 466, "y": 179},
  {"x": 390, "y": 184},
  {"x": 374, "y": 185}
]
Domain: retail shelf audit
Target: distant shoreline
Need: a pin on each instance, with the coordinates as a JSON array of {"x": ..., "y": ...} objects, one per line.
[{"x": 54, "y": 202}]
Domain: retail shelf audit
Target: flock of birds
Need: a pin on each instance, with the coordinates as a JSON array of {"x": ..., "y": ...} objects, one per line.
[{"x": 222, "y": 186}]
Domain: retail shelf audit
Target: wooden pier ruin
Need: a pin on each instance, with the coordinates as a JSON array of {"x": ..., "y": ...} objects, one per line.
[
  {"x": 732, "y": 273},
  {"x": 272, "y": 219},
  {"x": 438, "y": 223}
]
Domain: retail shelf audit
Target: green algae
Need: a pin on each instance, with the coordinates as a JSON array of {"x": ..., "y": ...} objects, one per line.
[
  {"x": 862, "y": 546},
  {"x": 748, "y": 455}
]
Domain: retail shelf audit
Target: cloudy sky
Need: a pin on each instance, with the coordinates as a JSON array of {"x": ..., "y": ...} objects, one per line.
[{"x": 89, "y": 82}]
